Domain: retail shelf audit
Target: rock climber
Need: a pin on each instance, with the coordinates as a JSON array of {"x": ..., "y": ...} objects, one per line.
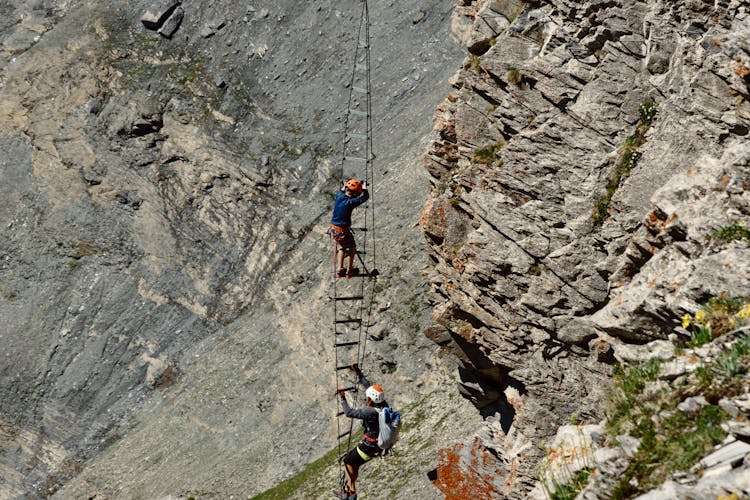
[
  {"x": 368, "y": 448},
  {"x": 352, "y": 194}
]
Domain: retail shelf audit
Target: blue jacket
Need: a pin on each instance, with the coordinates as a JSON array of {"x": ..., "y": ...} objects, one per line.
[{"x": 343, "y": 207}]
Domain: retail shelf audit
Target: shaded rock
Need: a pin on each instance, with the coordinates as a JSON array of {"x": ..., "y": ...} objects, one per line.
[
  {"x": 158, "y": 12},
  {"x": 172, "y": 24}
]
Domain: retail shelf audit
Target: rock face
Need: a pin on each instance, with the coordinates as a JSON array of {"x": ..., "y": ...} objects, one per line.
[{"x": 580, "y": 167}]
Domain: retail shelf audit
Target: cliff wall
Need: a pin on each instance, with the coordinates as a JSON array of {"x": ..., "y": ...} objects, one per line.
[{"x": 580, "y": 166}]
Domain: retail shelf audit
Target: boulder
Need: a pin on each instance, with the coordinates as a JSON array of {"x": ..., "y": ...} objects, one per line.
[{"x": 158, "y": 12}]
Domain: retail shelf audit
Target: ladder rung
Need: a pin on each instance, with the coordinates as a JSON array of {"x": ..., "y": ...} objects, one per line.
[
  {"x": 350, "y": 388},
  {"x": 352, "y": 135},
  {"x": 346, "y": 344},
  {"x": 346, "y": 433},
  {"x": 352, "y": 320},
  {"x": 360, "y": 66},
  {"x": 339, "y": 413},
  {"x": 362, "y": 229},
  {"x": 346, "y": 367},
  {"x": 360, "y": 90},
  {"x": 355, "y": 158},
  {"x": 354, "y": 297},
  {"x": 357, "y": 112}
]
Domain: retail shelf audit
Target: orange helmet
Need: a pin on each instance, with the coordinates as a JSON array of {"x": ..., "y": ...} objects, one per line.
[
  {"x": 375, "y": 393},
  {"x": 354, "y": 186}
]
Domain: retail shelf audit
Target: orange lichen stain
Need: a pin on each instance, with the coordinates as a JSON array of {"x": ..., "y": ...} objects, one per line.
[
  {"x": 693, "y": 359},
  {"x": 671, "y": 218},
  {"x": 652, "y": 282},
  {"x": 725, "y": 180},
  {"x": 511, "y": 476},
  {"x": 467, "y": 473},
  {"x": 741, "y": 70},
  {"x": 690, "y": 171},
  {"x": 727, "y": 265}
]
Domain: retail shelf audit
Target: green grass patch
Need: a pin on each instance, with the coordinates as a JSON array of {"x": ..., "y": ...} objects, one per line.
[
  {"x": 731, "y": 233},
  {"x": 700, "y": 336},
  {"x": 475, "y": 63},
  {"x": 675, "y": 444},
  {"x": 292, "y": 485},
  {"x": 514, "y": 76},
  {"x": 625, "y": 402},
  {"x": 488, "y": 154},
  {"x": 628, "y": 160},
  {"x": 569, "y": 490},
  {"x": 730, "y": 364}
]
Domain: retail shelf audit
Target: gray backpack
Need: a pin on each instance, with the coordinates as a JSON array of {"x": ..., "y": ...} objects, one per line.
[{"x": 389, "y": 426}]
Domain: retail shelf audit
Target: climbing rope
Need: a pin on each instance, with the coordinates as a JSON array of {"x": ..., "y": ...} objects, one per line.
[{"x": 353, "y": 299}]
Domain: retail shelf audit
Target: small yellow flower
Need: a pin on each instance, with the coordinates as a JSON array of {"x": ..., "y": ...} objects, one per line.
[
  {"x": 744, "y": 313},
  {"x": 686, "y": 320},
  {"x": 700, "y": 316},
  {"x": 732, "y": 322}
]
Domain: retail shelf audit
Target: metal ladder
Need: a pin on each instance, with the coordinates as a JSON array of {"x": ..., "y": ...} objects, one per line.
[{"x": 352, "y": 298}]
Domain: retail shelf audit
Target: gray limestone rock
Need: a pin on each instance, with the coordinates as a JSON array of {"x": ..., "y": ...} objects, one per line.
[
  {"x": 158, "y": 12},
  {"x": 172, "y": 23}
]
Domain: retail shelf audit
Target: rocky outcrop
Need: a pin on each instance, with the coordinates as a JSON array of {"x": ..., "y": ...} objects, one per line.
[{"x": 579, "y": 167}]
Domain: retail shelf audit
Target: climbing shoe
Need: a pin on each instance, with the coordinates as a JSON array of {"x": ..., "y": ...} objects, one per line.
[
  {"x": 350, "y": 273},
  {"x": 341, "y": 273}
]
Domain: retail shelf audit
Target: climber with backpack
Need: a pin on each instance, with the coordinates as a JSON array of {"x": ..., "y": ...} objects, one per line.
[
  {"x": 381, "y": 427},
  {"x": 352, "y": 194}
]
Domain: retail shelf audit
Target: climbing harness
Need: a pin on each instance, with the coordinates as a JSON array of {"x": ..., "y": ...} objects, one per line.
[{"x": 353, "y": 299}]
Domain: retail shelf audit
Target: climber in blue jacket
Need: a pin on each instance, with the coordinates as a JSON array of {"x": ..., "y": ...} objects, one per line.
[{"x": 352, "y": 194}]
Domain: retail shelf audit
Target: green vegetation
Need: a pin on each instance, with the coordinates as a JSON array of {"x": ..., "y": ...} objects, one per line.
[
  {"x": 731, "y": 363},
  {"x": 674, "y": 444},
  {"x": 730, "y": 233},
  {"x": 515, "y": 76},
  {"x": 287, "y": 488},
  {"x": 475, "y": 63},
  {"x": 569, "y": 490},
  {"x": 716, "y": 317},
  {"x": 488, "y": 154},
  {"x": 626, "y": 397},
  {"x": 672, "y": 440},
  {"x": 628, "y": 160}
]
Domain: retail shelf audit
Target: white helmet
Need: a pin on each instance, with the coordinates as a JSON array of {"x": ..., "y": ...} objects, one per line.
[{"x": 375, "y": 393}]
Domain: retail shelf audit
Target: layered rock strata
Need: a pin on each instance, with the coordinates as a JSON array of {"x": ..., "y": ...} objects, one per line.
[{"x": 550, "y": 236}]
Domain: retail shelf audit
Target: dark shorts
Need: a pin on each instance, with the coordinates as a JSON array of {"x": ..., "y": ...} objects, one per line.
[
  {"x": 355, "y": 457},
  {"x": 344, "y": 239}
]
